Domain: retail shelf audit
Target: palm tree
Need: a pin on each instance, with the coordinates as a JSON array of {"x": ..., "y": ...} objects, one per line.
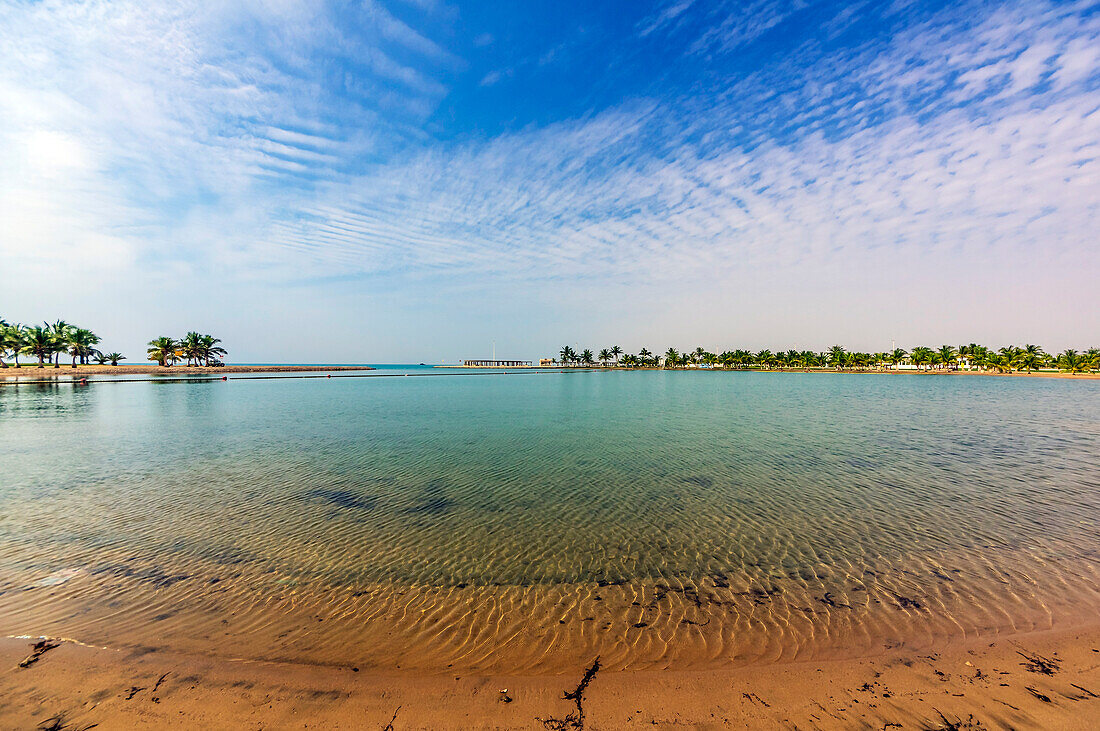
[
  {"x": 114, "y": 358},
  {"x": 672, "y": 358},
  {"x": 164, "y": 351},
  {"x": 81, "y": 341},
  {"x": 209, "y": 349},
  {"x": 1032, "y": 356},
  {"x": 975, "y": 355},
  {"x": 921, "y": 355},
  {"x": 644, "y": 355},
  {"x": 616, "y": 351},
  {"x": 568, "y": 355},
  {"x": 947, "y": 355},
  {"x": 1093, "y": 356},
  {"x": 604, "y": 356},
  {"x": 39, "y": 342},
  {"x": 896, "y": 356},
  {"x": 11, "y": 341},
  {"x": 100, "y": 358},
  {"x": 1009, "y": 357},
  {"x": 1071, "y": 362},
  {"x": 587, "y": 358},
  {"x": 836, "y": 356},
  {"x": 59, "y": 336},
  {"x": 191, "y": 347}
]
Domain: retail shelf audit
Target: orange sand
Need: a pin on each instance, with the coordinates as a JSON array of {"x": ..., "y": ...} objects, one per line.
[{"x": 1047, "y": 680}]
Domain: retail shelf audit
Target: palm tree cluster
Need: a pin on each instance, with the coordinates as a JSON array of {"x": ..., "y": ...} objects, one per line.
[
  {"x": 197, "y": 349},
  {"x": 946, "y": 357},
  {"x": 48, "y": 343}
]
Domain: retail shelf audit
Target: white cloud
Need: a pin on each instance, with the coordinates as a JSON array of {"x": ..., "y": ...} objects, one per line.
[{"x": 615, "y": 197}]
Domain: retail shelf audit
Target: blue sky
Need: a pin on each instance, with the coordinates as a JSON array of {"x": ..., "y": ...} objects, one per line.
[{"x": 414, "y": 179}]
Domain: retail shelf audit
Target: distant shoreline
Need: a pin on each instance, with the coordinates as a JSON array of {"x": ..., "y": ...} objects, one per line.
[
  {"x": 840, "y": 371},
  {"x": 34, "y": 372}
]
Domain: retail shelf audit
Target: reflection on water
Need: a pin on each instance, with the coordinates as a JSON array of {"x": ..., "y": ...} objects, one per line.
[{"x": 530, "y": 521}]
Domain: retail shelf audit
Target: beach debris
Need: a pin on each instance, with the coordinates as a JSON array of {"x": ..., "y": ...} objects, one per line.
[
  {"x": 159, "y": 681},
  {"x": 957, "y": 725},
  {"x": 1041, "y": 696},
  {"x": 685, "y": 620},
  {"x": 906, "y": 603},
  {"x": 58, "y": 723},
  {"x": 1086, "y": 691},
  {"x": 39, "y": 649},
  {"x": 1036, "y": 663},
  {"x": 831, "y": 601},
  {"x": 573, "y": 720},
  {"x": 504, "y": 697},
  {"x": 134, "y": 690},
  {"x": 754, "y": 698},
  {"x": 389, "y": 726}
]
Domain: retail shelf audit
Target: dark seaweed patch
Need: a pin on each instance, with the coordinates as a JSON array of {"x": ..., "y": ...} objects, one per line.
[
  {"x": 906, "y": 603},
  {"x": 610, "y": 582},
  {"x": 346, "y": 499},
  {"x": 154, "y": 576},
  {"x": 433, "y": 501},
  {"x": 431, "y": 506},
  {"x": 700, "y": 480}
]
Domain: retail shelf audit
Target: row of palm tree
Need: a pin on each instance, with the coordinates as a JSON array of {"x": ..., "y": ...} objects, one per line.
[
  {"x": 195, "y": 348},
  {"x": 48, "y": 342},
  {"x": 947, "y": 357}
]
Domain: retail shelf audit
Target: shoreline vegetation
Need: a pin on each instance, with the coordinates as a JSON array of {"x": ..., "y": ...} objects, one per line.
[
  {"x": 46, "y": 344},
  {"x": 973, "y": 359},
  {"x": 49, "y": 342}
]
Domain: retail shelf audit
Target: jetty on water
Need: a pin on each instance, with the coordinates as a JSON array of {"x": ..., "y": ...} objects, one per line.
[{"x": 496, "y": 364}]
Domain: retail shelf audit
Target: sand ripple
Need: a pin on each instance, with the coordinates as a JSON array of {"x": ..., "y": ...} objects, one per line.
[{"x": 658, "y": 520}]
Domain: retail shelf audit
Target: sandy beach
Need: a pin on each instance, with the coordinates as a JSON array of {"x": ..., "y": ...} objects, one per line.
[
  {"x": 32, "y": 372},
  {"x": 456, "y": 553},
  {"x": 1045, "y": 680}
]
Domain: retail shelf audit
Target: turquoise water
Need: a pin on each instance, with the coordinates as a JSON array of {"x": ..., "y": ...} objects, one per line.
[{"x": 731, "y": 515}]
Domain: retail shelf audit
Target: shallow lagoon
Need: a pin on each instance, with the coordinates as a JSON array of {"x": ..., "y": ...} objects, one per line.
[{"x": 531, "y": 520}]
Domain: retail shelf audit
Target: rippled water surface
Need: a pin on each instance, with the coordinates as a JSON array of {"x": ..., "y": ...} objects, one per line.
[{"x": 529, "y": 521}]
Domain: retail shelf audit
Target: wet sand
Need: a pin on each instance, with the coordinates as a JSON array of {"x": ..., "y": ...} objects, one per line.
[
  {"x": 1047, "y": 679},
  {"x": 34, "y": 372}
]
